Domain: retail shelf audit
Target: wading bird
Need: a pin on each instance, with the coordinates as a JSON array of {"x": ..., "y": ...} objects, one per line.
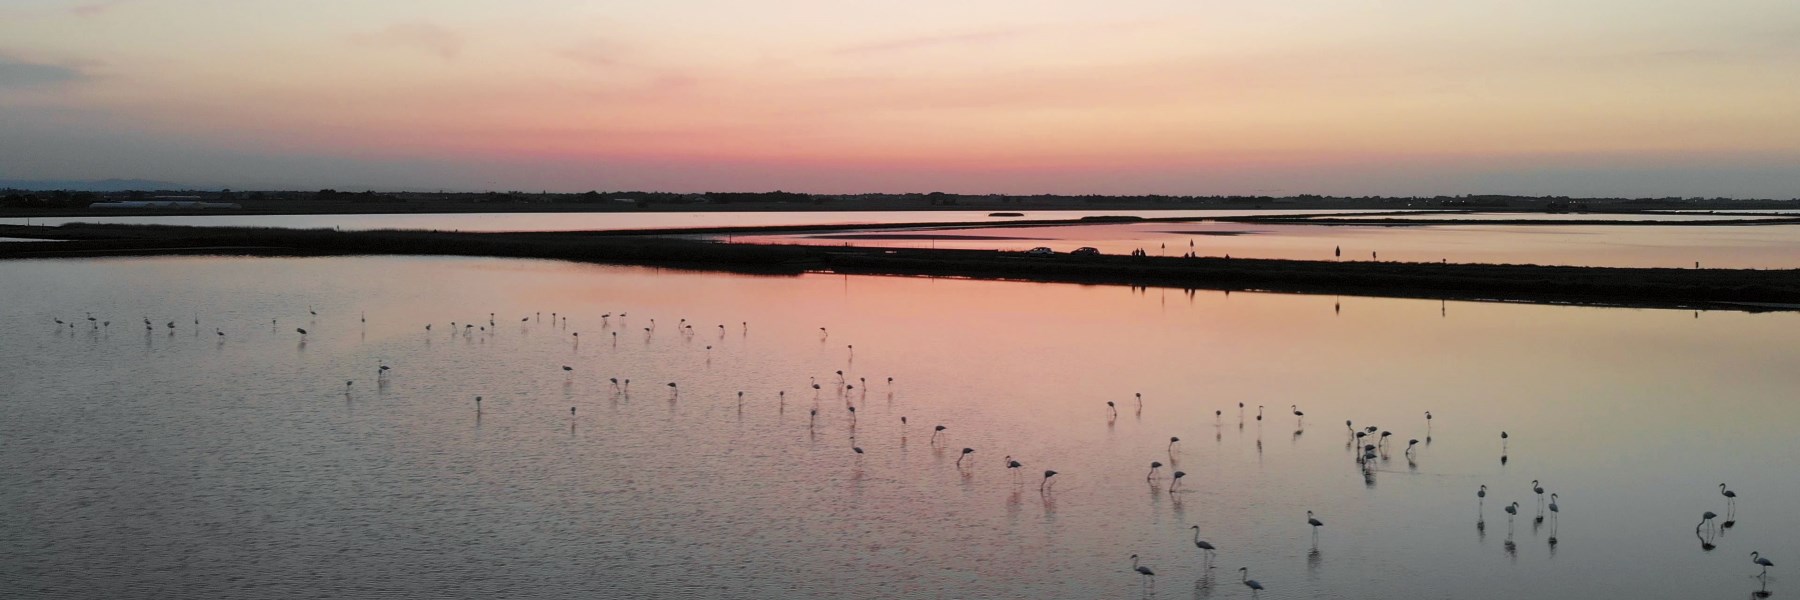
[
  {"x": 1244, "y": 577},
  {"x": 1206, "y": 548},
  {"x": 1046, "y": 483},
  {"x": 965, "y": 453},
  {"x": 1757, "y": 558},
  {"x": 1141, "y": 570}
]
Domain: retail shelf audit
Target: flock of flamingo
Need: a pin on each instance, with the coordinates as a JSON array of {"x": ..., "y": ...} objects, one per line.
[{"x": 1371, "y": 442}]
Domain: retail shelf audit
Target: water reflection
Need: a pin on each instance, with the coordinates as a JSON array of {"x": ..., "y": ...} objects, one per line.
[
  {"x": 763, "y": 506},
  {"x": 1771, "y": 246}
]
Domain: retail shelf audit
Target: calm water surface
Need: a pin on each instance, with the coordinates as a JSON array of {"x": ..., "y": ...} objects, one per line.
[
  {"x": 180, "y": 463},
  {"x": 1735, "y": 247}
]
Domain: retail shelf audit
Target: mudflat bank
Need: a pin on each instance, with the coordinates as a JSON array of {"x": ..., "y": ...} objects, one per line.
[{"x": 1736, "y": 289}]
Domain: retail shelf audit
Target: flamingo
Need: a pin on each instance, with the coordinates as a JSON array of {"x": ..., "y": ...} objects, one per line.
[
  {"x": 1259, "y": 410},
  {"x": 1757, "y": 558},
  {"x": 965, "y": 453},
  {"x": 1176, "y": 480},
  {"x": 1512, "y": 510},
  {"x": 1114, "y": 409},
  {"x": 1315, "y": 523},
  {"x": 1244, "y": 576},
  {"x": 1481, "y": 495},
  {"x": 1046, "y": 483},
  {"x": 1172, "y": 442},
  {"x": 1730, "y": 496},
  {"x": 1145, "y": 571},
  {"x": 1553, "y": 509},
  {"x": 1297, "y": 413},
  {"x": 1204, "y": 546},
  {"x": 1154, "y": 465}
]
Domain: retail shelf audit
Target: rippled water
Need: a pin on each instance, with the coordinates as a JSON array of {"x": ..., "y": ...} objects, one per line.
[{"x": 180, "y": 463}]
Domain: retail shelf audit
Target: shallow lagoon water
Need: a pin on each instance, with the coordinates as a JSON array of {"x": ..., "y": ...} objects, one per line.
[
  {"x": 1676, "y": 246},
  {"x": 177, "y": 463}
]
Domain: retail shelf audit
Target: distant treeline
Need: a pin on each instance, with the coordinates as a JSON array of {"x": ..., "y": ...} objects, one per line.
[{"x": 645, "y": 199}]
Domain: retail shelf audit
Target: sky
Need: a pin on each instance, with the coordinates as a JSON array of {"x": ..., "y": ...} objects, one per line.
[{"x": 1342, "y": 97}]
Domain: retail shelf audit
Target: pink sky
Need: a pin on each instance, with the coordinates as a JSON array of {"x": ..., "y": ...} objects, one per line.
[{"x": 1612, "y": 97}]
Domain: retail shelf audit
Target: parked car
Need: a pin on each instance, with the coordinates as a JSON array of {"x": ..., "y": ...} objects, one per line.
[
  {"x": 1086, "y": 251},
  {"x": 1040, "y": 251}
]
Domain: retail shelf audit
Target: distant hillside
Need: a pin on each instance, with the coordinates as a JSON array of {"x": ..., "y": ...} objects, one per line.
[{"x": 94, "y": 185}]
